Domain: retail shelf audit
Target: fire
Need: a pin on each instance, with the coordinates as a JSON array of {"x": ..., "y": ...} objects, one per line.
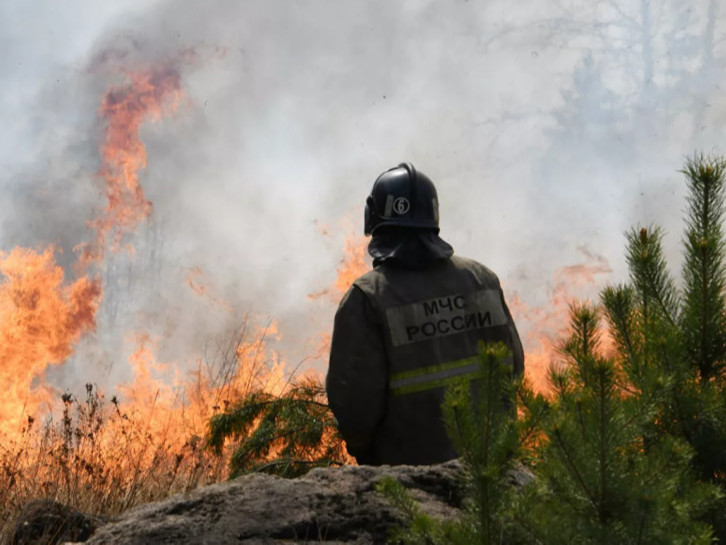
[
  {"x": 542, "y": 327},
  {"x": 147, "y": 96},
  {"x": 148, "y": 441},
  {"x": 169, "y": 406},
  {"x": 354, "y": 262},
  {"x": 42, "y": 318},
  {"x": 198, "y": 283},
  {"x": 152, "y": 432}
]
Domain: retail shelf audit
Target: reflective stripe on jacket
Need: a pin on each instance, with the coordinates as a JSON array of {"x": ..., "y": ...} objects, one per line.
[{"x": 400, "y": 336}]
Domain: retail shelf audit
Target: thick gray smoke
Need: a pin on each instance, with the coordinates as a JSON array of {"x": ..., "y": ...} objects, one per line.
[{"x": 548, "y": 129}]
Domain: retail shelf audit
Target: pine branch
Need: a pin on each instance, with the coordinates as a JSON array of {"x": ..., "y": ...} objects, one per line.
[
  {"x": 619, "y": 305},
  {"x": 704, "y": 273},
  {"x": 572, "y": 466},
  {"x": 650, "y": 274},
  {"x": 295, "y": 424},
  {"x": 238, "y": 422},
  {"x": 605, "y": 423}
]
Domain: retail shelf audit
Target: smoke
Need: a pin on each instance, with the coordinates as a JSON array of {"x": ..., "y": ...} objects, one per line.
[{"x": 547, "y": 128}]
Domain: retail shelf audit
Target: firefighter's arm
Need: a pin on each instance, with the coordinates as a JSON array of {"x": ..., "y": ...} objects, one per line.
[
  {"x": 357, "y": 376},
  {"x": 516, "y": 343}
]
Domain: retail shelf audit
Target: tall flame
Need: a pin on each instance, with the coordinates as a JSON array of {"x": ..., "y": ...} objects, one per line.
[
  {"x": 148, "y": 444},
  {"x": 42, "y": 319},
  {"x": 353, "y": 263},
  {"x": 146, "y": 96}
]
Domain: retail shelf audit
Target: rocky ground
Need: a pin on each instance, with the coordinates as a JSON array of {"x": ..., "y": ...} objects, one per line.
[{"x": 333, "y": 505}]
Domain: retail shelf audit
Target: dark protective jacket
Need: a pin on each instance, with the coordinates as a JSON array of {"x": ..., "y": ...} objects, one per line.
[{"x": 400, "y": 335}]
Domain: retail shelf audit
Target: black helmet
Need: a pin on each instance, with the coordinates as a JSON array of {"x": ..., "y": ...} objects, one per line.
[{"x": 403, "y": 197}]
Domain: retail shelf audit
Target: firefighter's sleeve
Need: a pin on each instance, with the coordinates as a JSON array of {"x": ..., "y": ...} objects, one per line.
[
  {"x": 357, "y": 376},
  {"x": 515, "y": 341}
]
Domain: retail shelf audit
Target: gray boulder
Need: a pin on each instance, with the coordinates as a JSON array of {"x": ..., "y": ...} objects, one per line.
[{"x": 333, "y": 505}]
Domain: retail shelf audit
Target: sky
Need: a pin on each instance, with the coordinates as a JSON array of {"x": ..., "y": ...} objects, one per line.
[{"x": 549, "y": 127}]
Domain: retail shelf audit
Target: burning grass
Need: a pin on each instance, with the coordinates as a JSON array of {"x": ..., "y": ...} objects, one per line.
[
  {"x": 100, "y": 459},
  {"x": 104, "y": 455},
  {"x": 100, "y": 452}
]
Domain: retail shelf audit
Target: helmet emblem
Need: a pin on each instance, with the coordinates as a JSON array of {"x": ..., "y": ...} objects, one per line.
[{"x": 401, "y": 205}]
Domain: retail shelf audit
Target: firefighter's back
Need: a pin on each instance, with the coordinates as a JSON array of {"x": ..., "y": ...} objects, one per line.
[{"x": 433, "y": 318}]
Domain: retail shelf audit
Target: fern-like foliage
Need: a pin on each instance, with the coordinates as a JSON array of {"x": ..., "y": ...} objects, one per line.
[{"x": 285, "y": 435}]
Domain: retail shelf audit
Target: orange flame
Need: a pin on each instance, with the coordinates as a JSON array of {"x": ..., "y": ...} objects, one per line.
[
  {"x": 546, "y": 325},
  {"x": 41, "y": 321},
  {"x": 41, "y": 318},
  {"x": 354, "y": 262},
  {"x": 157, "y": 427},
  {"x": 171, "y": 405},
  {"x": 146, "y": 97},
  {"x": 199, "y": 285}
]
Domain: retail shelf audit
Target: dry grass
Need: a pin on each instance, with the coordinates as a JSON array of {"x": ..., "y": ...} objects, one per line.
[
  {"x": 99, "y": 460},
  {"x": 103, "y": 456}
]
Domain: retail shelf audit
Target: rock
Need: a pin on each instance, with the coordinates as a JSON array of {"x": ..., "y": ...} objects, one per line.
[
  {"x": 334, "y": 505},
  {"x": 47, "y": 522}
]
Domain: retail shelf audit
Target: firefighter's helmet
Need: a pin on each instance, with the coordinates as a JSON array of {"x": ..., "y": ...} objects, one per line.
[{"x": 403, "y": 197}]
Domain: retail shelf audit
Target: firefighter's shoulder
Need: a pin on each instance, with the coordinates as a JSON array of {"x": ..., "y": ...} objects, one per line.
[
  {"x": 483, "y": 273},
  {"x": 370, "y": 282},
  {"x": 359, "y": 289}
]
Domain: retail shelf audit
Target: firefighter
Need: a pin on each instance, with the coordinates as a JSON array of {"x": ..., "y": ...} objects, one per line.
[{"x": 408, "y": 327}]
